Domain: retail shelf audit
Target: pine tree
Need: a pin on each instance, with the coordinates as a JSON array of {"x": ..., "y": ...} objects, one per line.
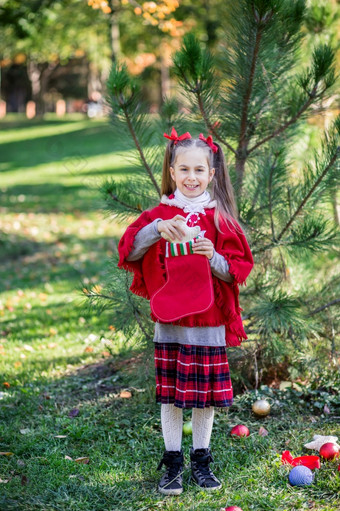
[{"x": 254, "y": 98}]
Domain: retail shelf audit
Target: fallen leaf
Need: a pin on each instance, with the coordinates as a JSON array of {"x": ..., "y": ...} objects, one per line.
[
  {"x": 52, "y": 345},
  {"x": 24, "y": 431},
  {"x": 73, "y": 413},
  {"x": 125, "y": 394},
  {"x": 21, "y": 463},
  {"x": 68, "y": 458},
  {"x": 6, "y": 384},
  {"x": 17, "y": 364},
  {"x": 106, "y": 354},
  {"x": 83, "y": 460},
  {"x": 326, "y": 409},
  {"x": 4, "y": 481},
  {"x": 263, "y": 431},
  {"x": 24, "y": 480},
  {"x": 88, "y": 349},
  {"x": 60, "y": 436},
  {"x": 6, "y": 453}
]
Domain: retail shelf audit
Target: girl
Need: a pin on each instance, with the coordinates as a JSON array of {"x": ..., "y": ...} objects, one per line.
[{"x": 193, "y": 293}]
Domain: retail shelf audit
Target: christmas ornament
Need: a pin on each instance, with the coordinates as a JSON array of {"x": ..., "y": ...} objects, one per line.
[
  {"x": 300, "y": 476},
  {"x": 308, "y": 461},
  {"x": 240, "y": 430},
  {"x": 319, "y": 440},
  {"x": 329, "y": 451},
  {"x": 261, "y": 407},
  {"x": 187, "y": 428}
]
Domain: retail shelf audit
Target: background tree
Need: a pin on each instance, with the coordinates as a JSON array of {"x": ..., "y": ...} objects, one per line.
[
  {"x": 47, "y": 35},
  {"x": 255, "y": 98}
]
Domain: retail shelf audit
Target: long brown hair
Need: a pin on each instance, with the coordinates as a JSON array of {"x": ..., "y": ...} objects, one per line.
[{"x": 222, "y": 189}]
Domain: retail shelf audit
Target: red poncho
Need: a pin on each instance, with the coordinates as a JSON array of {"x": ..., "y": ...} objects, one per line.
[{"x": 150, "y": 275}]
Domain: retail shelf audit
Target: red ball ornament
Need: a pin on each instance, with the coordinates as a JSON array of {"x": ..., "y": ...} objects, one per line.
[
  {"x": 240, "y": 430},
  {"x": 329, "y": 451}
]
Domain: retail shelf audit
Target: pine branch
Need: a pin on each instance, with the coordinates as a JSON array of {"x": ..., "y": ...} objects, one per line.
[
  {"x": 307, "y": 196},
  {"x": 124, "y": 96},
  {"x": 242, "y": 146},
  {"x": 286, "y": 125},
  {"x": 322, "y": 69},
  {"x": 270, "y": 205},
  {"x": 211, "y": 126},
  {"x": 323, "y": 307},
  {"x": 139, "y": 148},
  {"x": 137, "y": 315},
  {"x": 131, "y": 208}
]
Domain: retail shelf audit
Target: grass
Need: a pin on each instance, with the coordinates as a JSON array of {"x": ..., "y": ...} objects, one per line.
[{"x": 64, "y": 370}]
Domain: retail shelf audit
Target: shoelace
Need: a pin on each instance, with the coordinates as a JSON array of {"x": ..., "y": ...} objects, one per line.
[
  {"x": 205, "y": 470},
  {"x": 203, "y": 466},
  {"x": 173, "y": 472}
]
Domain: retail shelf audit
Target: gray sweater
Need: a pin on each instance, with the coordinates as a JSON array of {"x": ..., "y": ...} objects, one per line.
[{"x": 199, "y": 336}]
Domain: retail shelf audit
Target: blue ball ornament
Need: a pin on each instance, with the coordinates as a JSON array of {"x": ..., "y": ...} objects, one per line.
[{"x": 300, "y": 476}]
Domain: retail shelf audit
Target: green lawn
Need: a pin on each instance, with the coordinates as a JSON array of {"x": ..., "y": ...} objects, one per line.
[{"x": 63, "y": 368}]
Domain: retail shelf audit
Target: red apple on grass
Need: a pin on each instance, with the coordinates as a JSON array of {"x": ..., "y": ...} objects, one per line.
[
  {"x": 329, "y": 451},
  {"x": 240, "y": 430}
]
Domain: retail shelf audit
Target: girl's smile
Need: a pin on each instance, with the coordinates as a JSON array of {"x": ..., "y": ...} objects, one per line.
[{"x": 191, "y": 171}]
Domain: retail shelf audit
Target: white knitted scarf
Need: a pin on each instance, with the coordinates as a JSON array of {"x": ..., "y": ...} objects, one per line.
[{"x": 188, "y": 204}]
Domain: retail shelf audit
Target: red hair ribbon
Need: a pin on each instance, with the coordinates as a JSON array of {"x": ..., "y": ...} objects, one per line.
[
  {"x": 177, "y": 138},
  {"x": 209, "y": 141}
]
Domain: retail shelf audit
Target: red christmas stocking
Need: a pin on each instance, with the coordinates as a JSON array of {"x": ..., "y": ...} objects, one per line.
[{"x": 189, "y": 287}]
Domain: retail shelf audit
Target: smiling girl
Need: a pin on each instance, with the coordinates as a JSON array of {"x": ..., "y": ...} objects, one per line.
[{"x": 193, "y": 292}]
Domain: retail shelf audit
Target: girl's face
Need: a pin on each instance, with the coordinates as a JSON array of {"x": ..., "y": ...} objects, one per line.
[{"x": 191, "y": 171}]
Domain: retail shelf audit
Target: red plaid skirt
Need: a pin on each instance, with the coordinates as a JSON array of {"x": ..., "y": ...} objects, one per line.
[{"x": 192, "y": 376}]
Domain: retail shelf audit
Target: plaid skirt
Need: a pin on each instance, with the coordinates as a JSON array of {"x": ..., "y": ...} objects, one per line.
[{"x": 192, "y": 376}]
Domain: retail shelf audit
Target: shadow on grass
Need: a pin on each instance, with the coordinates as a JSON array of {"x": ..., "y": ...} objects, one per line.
[
  {"x": 26, "y": 263},
  {"x": 75, "y": 146},
  {"x": 55, "y": 197}
]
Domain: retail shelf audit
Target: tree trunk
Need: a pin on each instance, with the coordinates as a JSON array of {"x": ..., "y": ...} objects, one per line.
[
  {"x": 39, "y": 75},
  {"x": 165, "y": 62},
  {"x": 116, "y": 52}
]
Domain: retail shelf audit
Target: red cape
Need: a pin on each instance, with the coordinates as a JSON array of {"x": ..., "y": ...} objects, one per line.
[{"x": 150, "y": 275}]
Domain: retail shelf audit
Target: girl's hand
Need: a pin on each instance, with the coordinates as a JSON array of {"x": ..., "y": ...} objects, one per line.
[
  {"x": 172, "y": 227},
  {"x": 203, "y": 246}
]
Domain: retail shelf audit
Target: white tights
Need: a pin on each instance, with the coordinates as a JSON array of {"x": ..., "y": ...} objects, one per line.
[{"x": 172, "y": 426}]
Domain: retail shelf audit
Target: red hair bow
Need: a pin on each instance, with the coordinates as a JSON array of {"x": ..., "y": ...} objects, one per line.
[
  {"x": 209, "y": 141},
  {"x": 177, "y": 138}
]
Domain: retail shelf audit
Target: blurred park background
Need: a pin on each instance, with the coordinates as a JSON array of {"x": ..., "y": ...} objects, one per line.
[{"x": 78, "y": 422}]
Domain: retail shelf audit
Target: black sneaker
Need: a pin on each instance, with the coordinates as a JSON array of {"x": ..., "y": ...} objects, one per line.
[
  {"x": 171, "y": 481},
  {"x": 200, "y": 471}
]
